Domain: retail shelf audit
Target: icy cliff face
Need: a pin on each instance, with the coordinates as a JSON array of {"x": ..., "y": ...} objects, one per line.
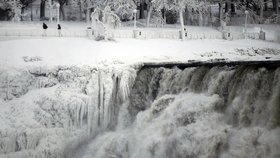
[{"x": 158, "y": 113}]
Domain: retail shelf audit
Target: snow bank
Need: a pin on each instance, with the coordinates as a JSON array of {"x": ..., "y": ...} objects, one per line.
[{"x": 73, "y": 51}]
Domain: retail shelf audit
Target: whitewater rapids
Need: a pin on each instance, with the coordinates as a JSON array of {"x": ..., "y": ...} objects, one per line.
[{"x": 197, "y": 112}]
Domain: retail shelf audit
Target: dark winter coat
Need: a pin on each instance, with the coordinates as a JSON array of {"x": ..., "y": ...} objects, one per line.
[
  {"x": 58, "y": 27},
  {"x": 45, "y": 26}
]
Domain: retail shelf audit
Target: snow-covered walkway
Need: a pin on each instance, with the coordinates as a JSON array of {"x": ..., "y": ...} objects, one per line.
[{"x": 82, "y": 51}]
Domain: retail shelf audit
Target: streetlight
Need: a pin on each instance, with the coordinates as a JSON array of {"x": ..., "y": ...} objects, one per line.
[
  {"x": 57, "y": 18},
  {"x": 246, "y": 21},
  {"x": 134, "y": 13}
]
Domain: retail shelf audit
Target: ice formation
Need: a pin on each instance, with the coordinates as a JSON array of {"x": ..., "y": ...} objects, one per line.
[
  {"x": 105, "y": 112},
  {"x": 44, "y": 111}
]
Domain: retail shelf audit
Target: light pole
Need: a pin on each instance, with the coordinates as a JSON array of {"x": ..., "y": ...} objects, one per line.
[
  {"x": 135, "y": 12},
  {"x": 57, "y": 18},
  {"x": 246, "y": 21}
]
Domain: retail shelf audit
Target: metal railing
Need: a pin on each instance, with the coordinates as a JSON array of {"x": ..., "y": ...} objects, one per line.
[{"x": 127, "y": 33}]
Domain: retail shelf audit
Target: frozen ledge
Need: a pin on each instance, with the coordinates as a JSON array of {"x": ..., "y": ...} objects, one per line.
[{"x": 212, "y": 63}]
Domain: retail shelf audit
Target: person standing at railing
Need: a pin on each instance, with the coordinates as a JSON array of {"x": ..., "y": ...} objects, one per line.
[
  {"x": 45, "y": 27},
  {"x": 59, "y": 30}
]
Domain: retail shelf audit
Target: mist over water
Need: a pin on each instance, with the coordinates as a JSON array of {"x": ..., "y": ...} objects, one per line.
[{"x": 192, "y": 113}]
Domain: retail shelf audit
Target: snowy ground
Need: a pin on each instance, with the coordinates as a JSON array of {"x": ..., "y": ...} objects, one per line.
[{"x": 82, "y": 51}]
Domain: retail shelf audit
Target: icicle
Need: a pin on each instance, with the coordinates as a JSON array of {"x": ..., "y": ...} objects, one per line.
[{"x": 126, "y": 81}]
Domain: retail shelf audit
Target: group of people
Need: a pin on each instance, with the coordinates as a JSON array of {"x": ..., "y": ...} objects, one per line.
[{"x": 45, "y": 27}]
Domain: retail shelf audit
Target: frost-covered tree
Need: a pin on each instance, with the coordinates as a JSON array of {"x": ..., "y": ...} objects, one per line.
[
  {"x": 255, "y": 9},
  {"x": 150, "y": 8},
  {"x": 51, "y": 6},
  {"x": 122, "y": 8},
  {"x": 224, "y": 12},
  {"x": 178, "y": 5},
  {"x": 15, "y": 6},
  {"x": 84, "y": 7},
  {"x": 109, "y": 18},
  {"x": 221, "y": 13},
  {"x": 61, "y": 7},
  {"x": 102, "y": 21},
  {"x": 25, "y": 4},
  {"x": 260, "y": 5}
]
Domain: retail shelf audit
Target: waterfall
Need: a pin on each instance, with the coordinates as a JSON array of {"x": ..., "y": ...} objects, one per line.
[
  {"x": 200, "y": 112},
  {"x": 105, "y": 112},
  {"x": 107, "y": 90}
]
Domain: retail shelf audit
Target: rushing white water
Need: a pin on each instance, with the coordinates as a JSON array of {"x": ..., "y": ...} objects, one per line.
[
  {"x": 196, "y": 112},
  {"x": 158, "y": 113}
]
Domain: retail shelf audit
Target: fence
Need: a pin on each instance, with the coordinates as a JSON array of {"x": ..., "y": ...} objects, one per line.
[
  {"x": 238, "y": 35},
  {"x": 129, "y": 33},
  {"x": 39, "y": 32}
]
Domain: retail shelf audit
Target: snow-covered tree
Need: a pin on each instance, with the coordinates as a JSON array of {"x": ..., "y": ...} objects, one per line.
[
  {"x": 15, "y": 6},
  {"x": 253, "y": 7},
  {"x": 261, "y": 5},
  {"x": 102, "y": 21},
  {"x": 224, "y": 12},
  {"x": 150, "y": 8},
  {"x": 178, "y": 5},
  {"x": 84, "y": 7},
  {"x": 51, "y": 6},
  {"x": 122, "y": 8},
  {"x": 61, "y": 7},
  {"x": 25, "y": 4},
  {"x": 157, "y": 18},
  {"x": 109, "y": 18},
  {"x": 221, "y": 13}
]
